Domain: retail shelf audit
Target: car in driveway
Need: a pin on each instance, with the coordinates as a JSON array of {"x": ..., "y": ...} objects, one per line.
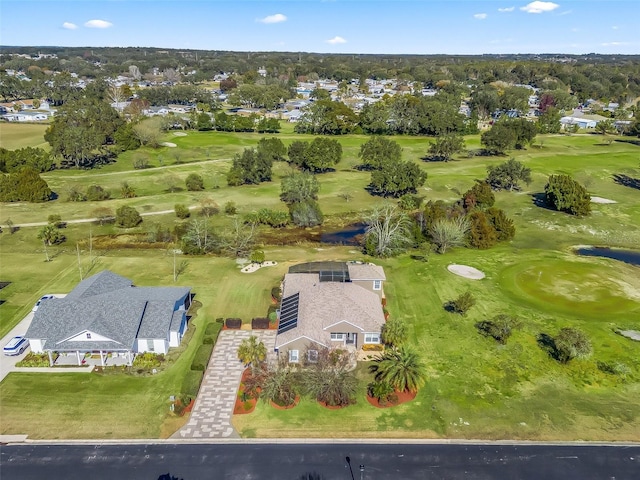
[
  {"x": 42, "y": 299},
  {"x": 15, "y": 346}
]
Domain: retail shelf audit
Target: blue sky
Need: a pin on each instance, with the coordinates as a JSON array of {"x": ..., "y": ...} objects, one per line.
[{"x": 341, "y": 26}]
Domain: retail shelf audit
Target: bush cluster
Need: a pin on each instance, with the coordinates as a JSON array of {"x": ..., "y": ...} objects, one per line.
[{"x": 266, "y": 216}]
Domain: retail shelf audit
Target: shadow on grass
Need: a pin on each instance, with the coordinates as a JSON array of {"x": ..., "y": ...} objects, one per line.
[
  {"x": 168, "y": 476},
  {"x": 548, "y": 344},
  {"x": 627, "y": 181},
  {"x": 539, "y": 200}
]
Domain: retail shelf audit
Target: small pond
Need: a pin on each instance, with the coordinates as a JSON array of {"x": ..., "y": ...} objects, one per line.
[
  {"x": 347, "y": 236},
  {"x": 627, "y": 256}
]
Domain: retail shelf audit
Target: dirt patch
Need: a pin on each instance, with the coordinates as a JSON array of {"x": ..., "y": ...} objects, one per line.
[
  {"x": 601, "y": 200},
  {"x": 402, "y": 397},
  {"x": 466, "y": 272}
]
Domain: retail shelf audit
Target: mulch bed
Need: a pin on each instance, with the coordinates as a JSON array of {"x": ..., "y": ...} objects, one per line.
[
  {"x": 332, "y": 407},
  {"x": 242, "y": 407},
  {"x": 286, "y": 407},
  {"x": 403, "y": 397}
]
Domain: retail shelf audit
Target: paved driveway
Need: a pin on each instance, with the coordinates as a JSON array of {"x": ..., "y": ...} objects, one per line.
[
  {"x": 8, "y": 364},
  {"x": 212, "y": 412}
]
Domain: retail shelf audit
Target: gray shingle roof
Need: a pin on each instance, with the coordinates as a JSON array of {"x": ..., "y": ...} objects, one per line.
[
  {"x": 323, "y": 304},
  {"x": 109, "y": 306},
  {"x": 365, "y": 271}
]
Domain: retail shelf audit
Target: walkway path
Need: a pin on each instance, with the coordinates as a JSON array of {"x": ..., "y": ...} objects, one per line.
[{"x": 212, "y": 412}]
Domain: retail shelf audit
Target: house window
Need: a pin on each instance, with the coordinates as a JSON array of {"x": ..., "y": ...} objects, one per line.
[
  {"x": 337, "y": 337},
  {"x": 293, "y": 356},
  {"x": 377, "y": 284},
  {"x": 150, "y": 345},
  {"x": 371, "y": 338},
  {"x": 88, "y": 336},
  {"x": 312, "y": 356}
]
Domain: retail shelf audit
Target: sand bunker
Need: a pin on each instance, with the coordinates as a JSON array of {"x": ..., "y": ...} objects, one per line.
[
  {"x": 632, "y": 334},
  {"x": 168, "y": 144},
  {"x": 256, "y": 266},
  {"x": 466, "y": 272},
  {"x": 601, "y": 200},
  {"x": 179, "y": 134}
]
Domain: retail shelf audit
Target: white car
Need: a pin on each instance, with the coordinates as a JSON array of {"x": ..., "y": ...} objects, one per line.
[
  {"x": 42, "y": 299},
  {"x": 16, "y": 346}
]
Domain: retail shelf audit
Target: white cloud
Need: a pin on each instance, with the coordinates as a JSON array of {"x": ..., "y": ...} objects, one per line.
[
  {"x": 614, "y": 44},
  {"x": 69, "y": 26},
  {"x": 480, "y": 16},
  {"x": 539, "y": 7},
  {"x": 336, "y": 40},
  {"x": 615, "y": 27},
  {"x": 98, "y": 24},
  {"x": 276, "y": 18},
  {"x": 506, "y": 9}
]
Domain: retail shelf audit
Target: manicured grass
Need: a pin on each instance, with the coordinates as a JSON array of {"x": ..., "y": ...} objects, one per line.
[
  {"x": 19, "y": 135},
  {"x": 475, "y": 389}
]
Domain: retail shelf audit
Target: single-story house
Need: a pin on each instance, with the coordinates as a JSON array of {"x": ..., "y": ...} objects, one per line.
[
  {"x": 581, "y": 122},
  {"x": 107, "y": 314},
  {"x": 25, "y": 117},
  {"x": 329, "y": 304}
]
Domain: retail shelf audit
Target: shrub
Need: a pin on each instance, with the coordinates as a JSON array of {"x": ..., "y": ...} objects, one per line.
[
  {"x": 276, "y": 293},
  {"x": 499, "y": 327},
  {"x": 265, "y": 216},
  {"x": 201, "y": 358},
  {"x": 381, "y": 391},
  {"x": 565, "y": 194},
  {"x": 233, "y": 323},
  {"x": 194, "y": 182},
  {"x": 230, "y": 208},
  {"x": 36, "y": 360},
  {"x": 148, "y": 360},
  {"x": 213, "y": 328},
  {"x": 372, "y": 347},
  {"x": 127, "y": 217},
  {"x": 462, "y": 304},
  {"x": 260, "y": 323},
  {"x": 96, "y": 193},
  {"x": 182, "y": 211}
]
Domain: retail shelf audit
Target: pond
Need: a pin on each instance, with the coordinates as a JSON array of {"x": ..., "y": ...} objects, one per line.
[
  {"x": 627, "y": 256},
  {"x": 350, "y": 235}
]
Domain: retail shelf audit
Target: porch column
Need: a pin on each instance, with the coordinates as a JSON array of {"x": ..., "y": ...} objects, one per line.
[
  {"x": 78, "y": 357},
  {"x": 129, "y": 358},
  {"x": 50, "y": 358},
  {"x": 101, "y": 359}
]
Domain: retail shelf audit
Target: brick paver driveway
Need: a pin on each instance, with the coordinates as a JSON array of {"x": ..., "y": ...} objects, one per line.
[{"x": 211, "y": 415}]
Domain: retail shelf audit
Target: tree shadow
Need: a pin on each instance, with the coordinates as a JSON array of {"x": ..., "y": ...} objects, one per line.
[
  {"x": 311, "y": 476},
  {"x": 449, "y": 307},
  {"x": 548, "y": 344},
  {"x": 168, "y": 476},
  {"x": 626, "y": 181},
  {"x": 539, "y": 200}
]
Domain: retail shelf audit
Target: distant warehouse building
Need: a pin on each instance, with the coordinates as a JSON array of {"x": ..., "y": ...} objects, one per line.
[{"x": 581, "y": 122}]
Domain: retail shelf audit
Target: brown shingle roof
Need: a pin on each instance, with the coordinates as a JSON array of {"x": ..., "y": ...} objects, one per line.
[{"x": 323, "y": 304}]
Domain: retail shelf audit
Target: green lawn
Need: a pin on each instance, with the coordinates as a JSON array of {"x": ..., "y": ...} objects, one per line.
[
  {"x": 475, "y": 388},
  {"x": 20, "y": 135}
]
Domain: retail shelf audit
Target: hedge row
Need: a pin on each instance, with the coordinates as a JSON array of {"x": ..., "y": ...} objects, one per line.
[
  {"x": 201, "y": 359},
  {"x": 191, "y": 383}
]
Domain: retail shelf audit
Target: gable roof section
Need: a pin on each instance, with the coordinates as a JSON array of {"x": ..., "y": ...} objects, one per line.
[
  {"x": 121, "y": 313},
  {"x": 365, "y": 271},
  {"x": 103, "y": 282}
]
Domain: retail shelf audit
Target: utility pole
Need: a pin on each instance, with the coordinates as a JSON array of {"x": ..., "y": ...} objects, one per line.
[{"x": 79, "y": 264}]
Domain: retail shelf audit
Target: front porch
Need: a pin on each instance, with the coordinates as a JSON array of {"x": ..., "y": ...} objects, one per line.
[{"x": 96, "y": 359}]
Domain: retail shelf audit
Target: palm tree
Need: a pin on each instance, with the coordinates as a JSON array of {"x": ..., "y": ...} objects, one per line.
[
  {"x": 334, "y": 387},
  {"x": 279, "y": 386},
  {"x": 401, "y": 368},
  {"x": 251, "y": 352}
]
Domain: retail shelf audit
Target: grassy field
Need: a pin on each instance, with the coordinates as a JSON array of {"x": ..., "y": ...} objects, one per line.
[
  {"x": 20, "y": 135},
  {"x": 476, "y": 388}
]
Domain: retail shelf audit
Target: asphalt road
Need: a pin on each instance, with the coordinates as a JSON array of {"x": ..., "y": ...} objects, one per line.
[{"x": 319, "y": 462}]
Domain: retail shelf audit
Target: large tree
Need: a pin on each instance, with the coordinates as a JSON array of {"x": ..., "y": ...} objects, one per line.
[
  {"x": 388, "y": 231},
  {"x": 397, "y": 179},
  {"x": 81, "y": 128},
  {"x": 508, "y": 175},
  {"x": 445, "y": 146},
  {"x": 250, "y": 167},
  {"x": 378, "y": 151},
  {"x": 565, "y": 194}
]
